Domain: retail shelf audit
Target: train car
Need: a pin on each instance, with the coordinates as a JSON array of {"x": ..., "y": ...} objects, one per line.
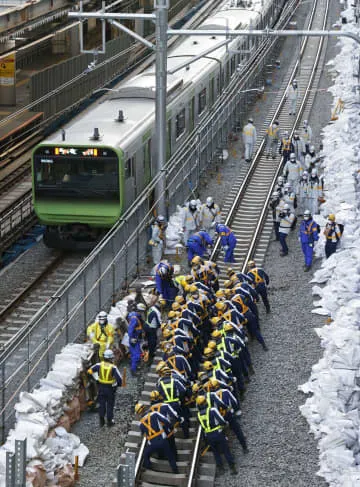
[{"x": 87, "y": 174}]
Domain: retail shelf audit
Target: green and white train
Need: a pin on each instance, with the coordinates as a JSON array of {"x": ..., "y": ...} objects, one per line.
[{"x": 87, "y": 174}]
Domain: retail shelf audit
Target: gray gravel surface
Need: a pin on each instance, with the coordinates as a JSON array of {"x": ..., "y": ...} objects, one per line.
[{"x": 282, "y": 453}]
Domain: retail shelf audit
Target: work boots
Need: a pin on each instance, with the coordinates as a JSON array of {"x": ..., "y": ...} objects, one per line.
[{"x": 102, "y": 421}]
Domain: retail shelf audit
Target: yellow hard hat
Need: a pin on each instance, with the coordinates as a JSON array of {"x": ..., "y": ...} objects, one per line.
[
  {"x": 227, "y": 284},
  {"x": 214, "y": 383},
  {"x": 228, "y": 327},
  {"x": 233, "y": 278},
  {"x": 162, "y": 302},
  {"x": 207, "y": 365},
  {"x": 171, "y": 314},
  {"x": 211, "y": 344},
  {"x": 179, "y": 299},
  {"x": 139, "y": 408},
  {"x": 220, "y": 306},
  {"x": 208, "y": 351},
  {"x": 167, "y": 333},
  {"x": 195, "y": 388},
  {"x": 193, "y": 289},
  {"x": 230, "y": 271},
  {"x": 196, "y": 260},
  {"x": 215, "y": 320},
  {"x": 200, "y": 401},
  {"x": 175, "y": 306},
  {"x": 160, "y": 366},
  {"x": 251, "y": 264},
  {"x": 155, "y": 396},
  {"x": 187, "y": 288},
  {"x": 189, "y": 278},
  {"x": 202, "y": 375},
  {"x": 220, "y": 293},
  {"x": 229, "y": 292},
  {"x": 216, "y": 334},
  {"x": 331, "y": 217}
]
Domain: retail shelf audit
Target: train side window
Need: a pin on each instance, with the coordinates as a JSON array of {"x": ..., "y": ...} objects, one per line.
[
  {"x": 147, "y": 161},
  {"x": 130, "y": 168},
  {"x": 169, "y": 144},
  {"x": 192, "y": 114},
  {"x": 218, "y": 87},
  {"x": 180, "y": 123},
  {"x": 202, "y": 101}
]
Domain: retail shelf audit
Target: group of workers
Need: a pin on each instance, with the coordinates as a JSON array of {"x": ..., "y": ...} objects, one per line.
[
  {"x": 200, "y": 225},
  {"x": 206, "y": 361}
]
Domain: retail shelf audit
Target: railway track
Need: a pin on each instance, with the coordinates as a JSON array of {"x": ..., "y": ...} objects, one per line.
[
  {"x": 16, "y": 210},
  {"x": 247, "y": 210},
  {"x": 25, "y": 301}
]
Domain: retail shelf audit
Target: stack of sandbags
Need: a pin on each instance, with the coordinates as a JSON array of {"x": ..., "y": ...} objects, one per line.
[
  {"x": 44, "y": 418},
  {"x": 332, "y": 411},
  {"x": 174, "y": 231}
]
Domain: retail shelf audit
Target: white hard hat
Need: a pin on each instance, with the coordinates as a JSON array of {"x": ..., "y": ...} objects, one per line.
[
  {"x": 280, "y": 179},
  {"x": 102, "y": 316},
  {"x": 314, "y": 172},
  {"x": 275, "y": 194},
  {"x": 141, "y": 307},
  {"x": 250, "y": 120},
  {"x": 160, "y": 219},
  {"x": 292, "y": 157},
  {"x": 287, "y": 185},
  {"x": 305, "y": 123},
  {"x": 193, "y": 204},
  {"x": 312, "y": 148},
  {"x": 307, "y": 213},
  {"x": 286, "y": 133},
  {"x": 109, "y": 354},
  {"x": 286, "y": 207},
  {"x": 209, "y": 201}
]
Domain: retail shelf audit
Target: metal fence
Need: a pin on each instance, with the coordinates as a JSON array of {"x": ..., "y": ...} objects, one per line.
[
  {"x": 63, "y": 85},
  {"x": 93, "y": 286}
]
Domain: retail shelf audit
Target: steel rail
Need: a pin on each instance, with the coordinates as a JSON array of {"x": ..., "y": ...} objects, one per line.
[
  {"x": 265, "y": 209},
  {"x": 248, "y": 177}
]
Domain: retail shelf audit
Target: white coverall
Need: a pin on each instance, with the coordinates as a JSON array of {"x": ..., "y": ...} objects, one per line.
[
  {"x": 292, "y": 171},
  {"x": 208, "y": 216},
  {"x": 290, "y": 198},
  {"x": 157, "y": 236},
  {"x": 292, "y": 96},
  {"x": 249, "y": 139},
  {"x": 190, "y": 222},
  {"x": 299, "y": 149},
  {"x": 303, "y": 200},
  {"x": 306, "y": 135},
  {"x": 315, "y": 191}
]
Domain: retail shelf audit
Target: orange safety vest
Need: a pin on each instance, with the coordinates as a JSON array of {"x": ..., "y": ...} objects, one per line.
[{"x": 146, "y": 421}]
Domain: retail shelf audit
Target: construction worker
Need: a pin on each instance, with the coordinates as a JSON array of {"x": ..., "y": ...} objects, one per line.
[
  {"x": 249, "y": 139},
  {"x": 209, "y": 213},
  {"x": 232, "y": 405},
  {"x": 292, "y": 96},
  {"x": 227, "y": 241},
  {"x": 101, "y": 334},
  {"x": 135, "y": 332},
  {"x": 274, "y": 204},
  {"x": 151, "y": 326},
  {"x": 287, "y": 219},
  {"x": 153, "y": 426},
  {"x": 292, "y": 172},
  {"x": 299, "y": 147},
  {"x": 332, "y": 233},
  {"x": 157, "y": 242},
  {"x": 108, "y": 378},
  {"x": 157, "y": 404},
  {"x": 314, "y": 192},
  {"x": 165, "y": 286},
  {"x": 197, "y": 244},
  {"x": 190, "y": 220},
  {"x": 303, "y": 200},
  {"x": 260, "y": 280},
  {"x": 173, "y": 391},
  {"x": 306, "y": 135},
  {"x": 212, "y": 424},
  {"x": 286, "y": 147},
  {"x": 272, "y": 139},
  {"x": 308, "y": 235}
]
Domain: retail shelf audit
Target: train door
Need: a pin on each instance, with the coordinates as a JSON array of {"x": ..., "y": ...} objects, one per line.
[{"x": 130, "y": 180}]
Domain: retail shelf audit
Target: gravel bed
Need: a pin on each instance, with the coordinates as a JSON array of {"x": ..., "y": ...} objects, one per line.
[
  {"x": 267, "y": 463},
  {"x": 282, "y": 453}
]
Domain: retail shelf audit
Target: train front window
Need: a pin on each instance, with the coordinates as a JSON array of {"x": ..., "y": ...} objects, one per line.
[{"x": 61, "y": 175}]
